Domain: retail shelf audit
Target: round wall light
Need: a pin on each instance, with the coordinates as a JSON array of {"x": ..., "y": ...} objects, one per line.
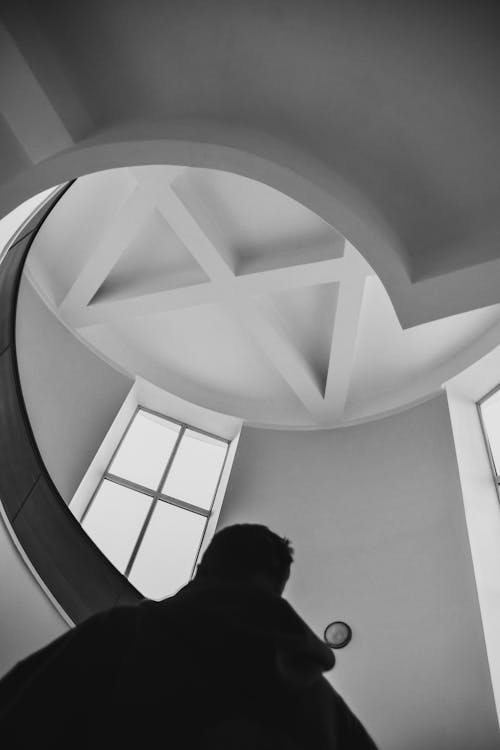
[{"x": 337, "y": 634}]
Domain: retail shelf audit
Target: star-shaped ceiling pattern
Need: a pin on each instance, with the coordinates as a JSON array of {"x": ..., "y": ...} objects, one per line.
[{"x": 230, "y": 294}]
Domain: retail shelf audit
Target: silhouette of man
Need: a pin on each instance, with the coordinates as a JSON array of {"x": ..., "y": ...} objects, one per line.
[{"x": 225, "y": 663}]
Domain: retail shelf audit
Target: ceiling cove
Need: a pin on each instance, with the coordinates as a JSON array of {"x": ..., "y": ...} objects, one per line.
[{"x": 230, "y": 294}]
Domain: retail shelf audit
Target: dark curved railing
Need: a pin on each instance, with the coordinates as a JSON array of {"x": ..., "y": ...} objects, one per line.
[{"x": 75, "y": 571}]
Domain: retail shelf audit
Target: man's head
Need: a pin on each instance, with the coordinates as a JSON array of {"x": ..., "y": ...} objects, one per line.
[{"x": 248, "y": 553}]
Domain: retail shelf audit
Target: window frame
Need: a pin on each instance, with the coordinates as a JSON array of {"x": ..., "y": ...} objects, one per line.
[
  {"x": 155, "y": 494},
  {"x": 491, "y": 460}
]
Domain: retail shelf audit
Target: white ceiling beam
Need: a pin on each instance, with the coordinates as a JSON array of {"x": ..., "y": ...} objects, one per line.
[
  {"x": 258, "y": 319},
  {"x": 121, "y": 229},
  {"x": 263, "y": 326},
  {"x": 293, "y": 277},
  {"x": 311, "y": 274},
  {"x": 343, "y": 347},
  {"x": 25, "y": 106},
  {"x": 153, "y": 303},
  {"x": 186, "y": 216},
  {"x": 269, "y": 257}
]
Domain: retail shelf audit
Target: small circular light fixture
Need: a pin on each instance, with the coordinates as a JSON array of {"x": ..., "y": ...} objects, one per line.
[{"x": 337, "y": 634}]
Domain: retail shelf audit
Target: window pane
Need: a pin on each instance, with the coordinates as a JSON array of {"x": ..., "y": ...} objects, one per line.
[
  {"x": 168, "y": 551},
  {"x": 490, "y": 411},
  {"x": 115, "y": 519},
  {"x": 196, "y": 468},
  {"x": 143, "y": 454}
]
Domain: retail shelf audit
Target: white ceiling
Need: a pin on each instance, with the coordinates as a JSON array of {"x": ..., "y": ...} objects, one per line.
[{"x": 232, "y": 295}]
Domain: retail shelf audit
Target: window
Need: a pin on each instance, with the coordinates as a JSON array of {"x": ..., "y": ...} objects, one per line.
[
  {"x": 150, "y": 511},
  {"x": 489, "y": 414}
]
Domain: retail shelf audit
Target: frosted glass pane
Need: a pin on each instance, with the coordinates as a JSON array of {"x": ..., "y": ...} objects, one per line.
[
  {"x": 196, "y": 468},
  {"x": 168, "y": 551},
  {"x": 115, "y": 519},
  {"x": 144, "y": 453},
  {"x": 490, "y": 411}
]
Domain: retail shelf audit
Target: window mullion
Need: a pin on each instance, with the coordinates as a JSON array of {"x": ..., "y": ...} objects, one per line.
[
  {"x": 171, "y": 459},
  {"x": 130, "y": 485},
  {"x": 183, "y": 424},
  {"x": 140, "y": 538},
  {"x": 94, "y": 495},
  {"x": 154, "y": 503},
  {"x": 184, "y": 505},
  {"x": 220, "y": 477},
  {"x": 107, "y": 467},
  {"x": 122, "y": 439},
  {"x": 210, "y": 513}
]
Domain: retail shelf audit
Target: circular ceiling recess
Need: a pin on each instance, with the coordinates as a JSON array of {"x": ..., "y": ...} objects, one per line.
[{"x": 231, "y": 295}]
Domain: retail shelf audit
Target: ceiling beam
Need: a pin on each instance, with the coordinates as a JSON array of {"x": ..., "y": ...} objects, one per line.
[
  {"x": 120, "y": 231},
  {"x": 293, "y": 277},
  {"x": 243, "y": 296},
  {"x": 153, "y": 303},
  {"x": 343, "y": 346},
  {"x": 149, "y": 303},
  {"x": 186, "y": 215},
  {"x": 257, "y": 259},
  {"x": 264, "y": 327}
]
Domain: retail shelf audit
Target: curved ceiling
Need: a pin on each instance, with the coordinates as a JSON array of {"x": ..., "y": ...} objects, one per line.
[
  {"x": 384, "y": 122},
  {"x": 234, "y": 296}
]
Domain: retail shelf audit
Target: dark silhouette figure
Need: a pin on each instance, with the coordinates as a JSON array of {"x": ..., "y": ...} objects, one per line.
[{"x": 225, "y": 663}]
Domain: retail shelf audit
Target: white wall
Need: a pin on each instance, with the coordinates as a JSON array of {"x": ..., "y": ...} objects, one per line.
[
  {"x": 482, "y": 509},
  {"x": 376, "y": 517},
  {"x": 71, "y": 395},
  {"x": 28, "y": 619},
  {"x": 375, "y": 513}
]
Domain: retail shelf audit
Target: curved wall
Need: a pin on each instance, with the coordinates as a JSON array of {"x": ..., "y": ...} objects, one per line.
[
  {"x": 71, "y": 395},
  {"x": 29, "y": 618},
  {"x": 376, "y": 516},
  {"x": 76, "y": 572}
]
